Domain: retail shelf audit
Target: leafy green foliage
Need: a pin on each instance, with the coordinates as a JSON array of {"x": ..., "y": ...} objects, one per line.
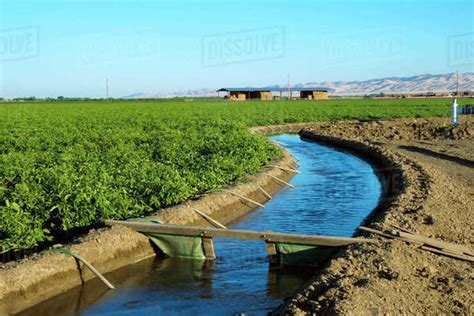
[{"x": 65, "y": 165}]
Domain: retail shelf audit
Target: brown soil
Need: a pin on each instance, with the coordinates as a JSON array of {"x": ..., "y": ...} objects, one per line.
[
  {"x": 432, "y": 171},
  {"x": 41, "y": 276}
]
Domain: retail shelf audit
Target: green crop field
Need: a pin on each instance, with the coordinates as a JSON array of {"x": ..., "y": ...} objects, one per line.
[{"x": 65, "y": 165}]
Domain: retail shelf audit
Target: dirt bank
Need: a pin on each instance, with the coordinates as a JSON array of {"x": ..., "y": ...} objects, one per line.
[
  {"x": 41, "y": 276},
  {"x": 432, "y": 176}
]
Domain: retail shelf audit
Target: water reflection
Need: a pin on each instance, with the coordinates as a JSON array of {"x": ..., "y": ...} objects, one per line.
[{"x": 167, "y": 286}]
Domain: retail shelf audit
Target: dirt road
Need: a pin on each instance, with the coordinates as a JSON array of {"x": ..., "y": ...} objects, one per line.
[{"x": 435, "y": 199}]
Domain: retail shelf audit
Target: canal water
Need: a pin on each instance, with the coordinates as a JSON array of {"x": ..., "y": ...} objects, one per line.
[{"x": 334, "y": 193}]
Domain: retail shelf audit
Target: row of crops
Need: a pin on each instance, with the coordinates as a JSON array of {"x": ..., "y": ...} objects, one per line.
[{"x": 73, "y": 164}]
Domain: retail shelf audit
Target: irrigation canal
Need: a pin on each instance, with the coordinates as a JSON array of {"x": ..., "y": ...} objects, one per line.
[{"x": 334, "y": 193}]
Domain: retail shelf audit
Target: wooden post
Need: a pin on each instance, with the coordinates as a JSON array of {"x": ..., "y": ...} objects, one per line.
[
  {"x": 295, "y": 160},
  {"x": 208, "y": 247},
  {"x": 285, "y": 169},
  {"x": 85, "y": 262},
  {"x": 265, "y": 192},
  {"x": 296, "y": 165},
  {"x": 433, "y": 245},
  {"x": 281, "y": 181},
  {"x": 210, "y": 219},
  {"x": 272, "y": 253},
  {"x": 243, "y": 198}
]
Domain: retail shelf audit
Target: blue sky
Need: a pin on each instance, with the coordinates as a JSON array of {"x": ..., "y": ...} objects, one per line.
[{"x": 52, "y": 48}]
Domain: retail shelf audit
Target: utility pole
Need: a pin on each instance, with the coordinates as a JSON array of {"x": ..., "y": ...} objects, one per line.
[
  {"x": 457, "y": 82},
  {"x": 106, "y": 89},
  {"x": 289, "y": 88}
]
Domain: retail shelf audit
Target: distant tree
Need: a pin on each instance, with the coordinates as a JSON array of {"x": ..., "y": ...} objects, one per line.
[
  {"x": 60, "y": 97},
  {"x": 33, "y": 98}
]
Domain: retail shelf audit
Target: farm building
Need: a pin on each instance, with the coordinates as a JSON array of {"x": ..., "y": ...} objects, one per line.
[
  {"x": 248, "y": 93},
  {"x": 266, "y": 93},
  {"x": 313, "y": 93}
]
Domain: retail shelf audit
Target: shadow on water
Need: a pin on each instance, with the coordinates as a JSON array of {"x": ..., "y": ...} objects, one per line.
[
  {"x": 334, "y": 193},
  {"x": 188, "y": 285}
]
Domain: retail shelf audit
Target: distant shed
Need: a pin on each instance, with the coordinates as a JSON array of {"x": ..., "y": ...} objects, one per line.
[
  {"x": 265, "y": 93},
  {"x": 248, "y": 93},
  {"x": 313, "y": 93}
]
